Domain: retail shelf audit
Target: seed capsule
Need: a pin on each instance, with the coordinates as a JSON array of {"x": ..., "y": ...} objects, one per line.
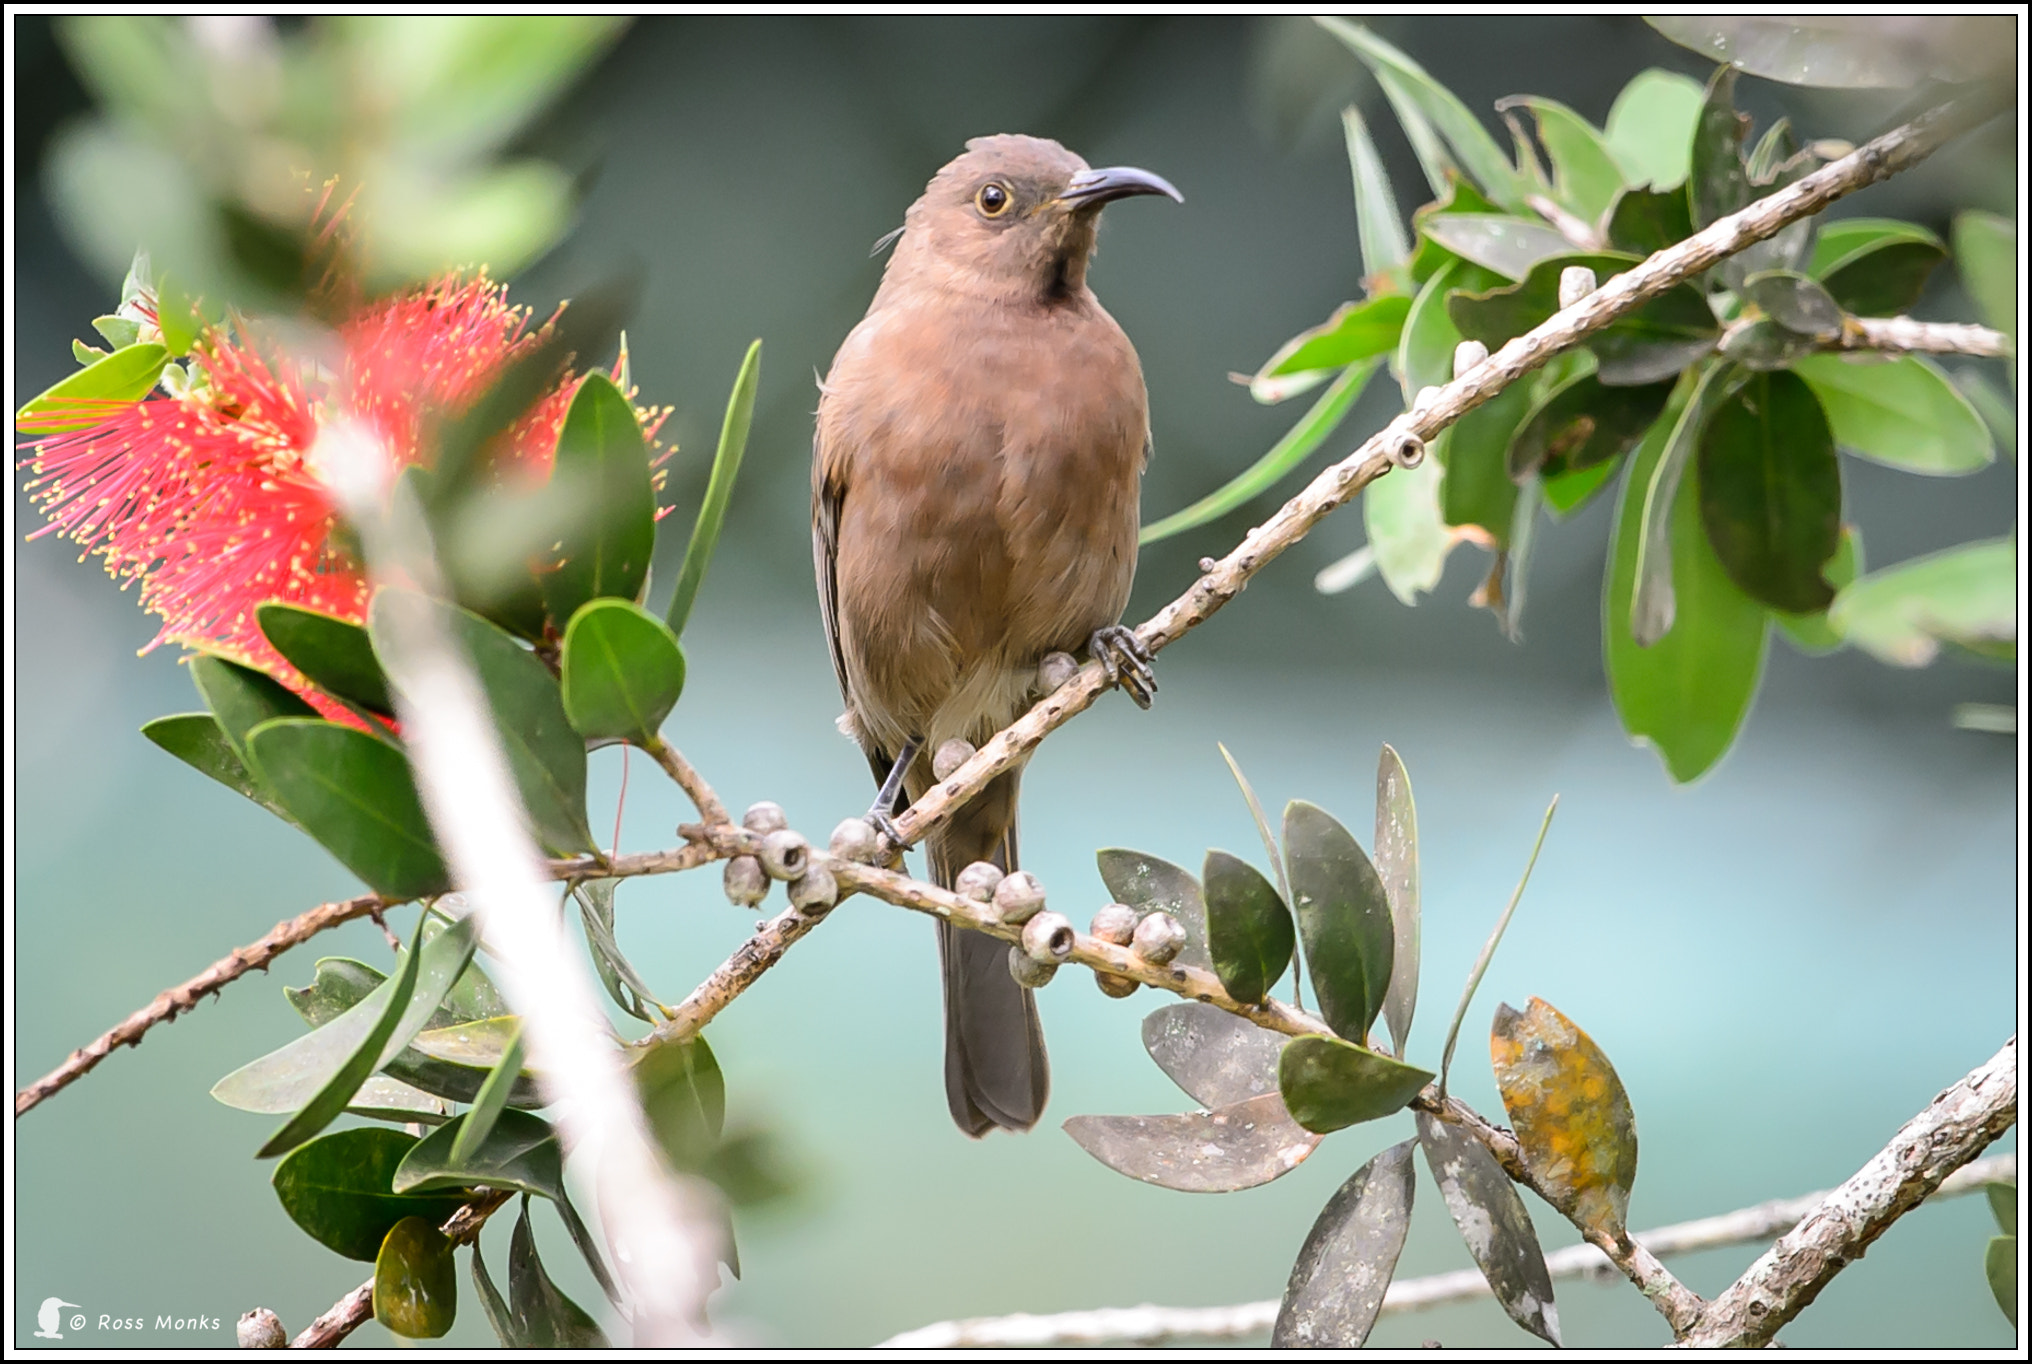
[
  {"x": 785, "y": 854},
  {"x": 1048, "y": 937},
  {"x": 745, "y": 882},
  {"x": 1576, "y": 282},
  {"x": 764, "y": 817},
  {"x": 952, "y": 755},
  {"x": 1029, "y": 972},
  {"x": 815, "y": 891},
  {"x": 1158, "y": 938},
  {"x": 1018, "y": 897},
  {"x": 1054, "y": 670},
  {"x": 1114, "y": 924},
  {"x": 978, "y": 880},
  {"x": 854, "y": 840}
]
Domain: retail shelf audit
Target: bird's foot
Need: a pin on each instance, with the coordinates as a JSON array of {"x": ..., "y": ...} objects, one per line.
[
  {"x": 885, "y": 825},
  {"x": 1127, "y": 659}
]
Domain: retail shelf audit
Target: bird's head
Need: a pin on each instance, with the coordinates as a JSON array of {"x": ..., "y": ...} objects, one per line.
[{"x": 1014, "y": 217}]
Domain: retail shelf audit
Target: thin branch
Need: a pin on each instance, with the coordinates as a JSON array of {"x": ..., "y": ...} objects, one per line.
[
  {"x": 178, "y": 999},
  {"x": 1897, "y": 334},
  {"x": 1897, "y": 150},
  {"x": 1949, "y": 1133},
  {"x": 1149, "y": 1325},
  {"x": 356, "y": 1309},
  {"x": 685, "y": 775}
]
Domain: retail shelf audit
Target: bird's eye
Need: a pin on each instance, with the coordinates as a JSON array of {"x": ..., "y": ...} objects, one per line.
[{"x": 993, "y": 200}]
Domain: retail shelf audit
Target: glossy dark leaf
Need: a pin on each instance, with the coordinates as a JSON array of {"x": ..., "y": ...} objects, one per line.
[
  {"x": 1967, "y": 595},
  {"x": 241, "y": 698},
  {"x": 1687, "y": 693},
  {"x": 1345, "y": 1267},
  {"x": 623, "y": 671},
  {"x": 1397, "y": 868},
  {"x": 1238, "y": 1146},
  {"x": 1791, "y": 247},
  {"x": 1770, "y": 492},
  {"x": 1795, "y": 302},
  {"x": 1885, "y": 281},
  {"x": 2003, "y": 1201},
  {"x": 1343, "y": 918},
  {"x": 1329, "y": 1084},
  {"x": 1585, "y": 176},
  {"x": 94, "y": 392},
  {"x": 1356, "y": 331},
  {"x": 684, "y": 1096},
  {"x": 197, "y": 739},
  {"x": 1583, "y": 424},
  {"x": 337, "y": 1189},
  {"x": 488, "y": 1104},
  {"x": 1644, "y": 221},
  {"x": 1477, "y": 489},
  {"x": 1763, "y": 344},
  {"x": 491, "y": 1301},
  {"x": 520, "y": 1152},
  {"x": 1211, "y": 1054},
  {"x": 705, "y": 533},
  {"x": 416, "y": 1281},
  {"x": 1901, "y": 411},
  {"x": 334, "y": 654},
  {"x": 1810, "y": 631},
  {"x": 427, "y": 973},
  {"x": 1653, "y": 608},
  {"x": 602, "y": 457},
  {"x": 354, "y": 794},
  {"x": 1249, "y": 932},
  {"x": 1494, "y": 1223},
  {"x": 540, "y": 1316},
  {"x": 1845, "y": 240},
  {"x": 1574, "y": 1126},
  {"x": 1147, "y": 884},
  {"x": 1508, "y": 245},
  {"x": 1718, "y": 184},
  {"x": 1650, "y": 129},
  {"x": 625, "y": 985}
]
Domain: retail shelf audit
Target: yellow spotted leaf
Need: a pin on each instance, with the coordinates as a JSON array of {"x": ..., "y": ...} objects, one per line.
[{"x": 1573, "y": 1118}]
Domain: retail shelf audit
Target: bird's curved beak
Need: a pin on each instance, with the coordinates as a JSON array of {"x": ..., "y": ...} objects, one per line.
[{"x": 1092, "y": 188}]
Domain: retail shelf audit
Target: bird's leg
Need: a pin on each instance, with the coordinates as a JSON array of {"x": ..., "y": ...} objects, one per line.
[
  {"x": 889, "y": 799},
  {"x": 1127, "y": 659}
]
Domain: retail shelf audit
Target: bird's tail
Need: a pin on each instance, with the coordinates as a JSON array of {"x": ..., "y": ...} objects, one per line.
[{"x": 996, "y": 1074}]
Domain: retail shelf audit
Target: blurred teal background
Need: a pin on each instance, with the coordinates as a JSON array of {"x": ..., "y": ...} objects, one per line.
[{"x": 1785, "y": 961}]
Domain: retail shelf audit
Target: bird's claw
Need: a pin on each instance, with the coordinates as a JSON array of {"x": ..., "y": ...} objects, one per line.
[
  {"x": 886, "y": 826},
  {"x": 1127, "y": 658}
]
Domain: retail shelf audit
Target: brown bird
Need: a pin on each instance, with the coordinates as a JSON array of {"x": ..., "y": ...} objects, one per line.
[{"x": 981, "y": 441}]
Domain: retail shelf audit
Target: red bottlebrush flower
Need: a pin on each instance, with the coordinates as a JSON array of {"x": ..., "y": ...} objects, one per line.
[{"x": 208, "y": 499}]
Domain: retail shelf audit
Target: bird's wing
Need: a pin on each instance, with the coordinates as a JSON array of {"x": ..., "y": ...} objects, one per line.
[{"x": 828, "y": 492}]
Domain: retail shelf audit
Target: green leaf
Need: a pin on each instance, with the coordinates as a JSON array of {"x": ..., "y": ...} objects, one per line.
[
  {"x": 1582, "y": 424},
  {"x": 1986, "y": 253},
  {"x": 241, "y": 698},
  {"x": 520, "y": 1152},
  {"x": 1770, "y": 492},
  {"x": 1261, "y": 820},
  {"x": 2000, "y": 1267},
  {"x": 1886, "y": 280},
  {"x": 491, "y": 1301},
  {"x": 623, "y": 671},
  {"x": 1149, "y": 884},
  {"x": 1650, "y": 128},
  {"x": 1291, "y": 450},
  {"x": 1846, "y": 240},
  {"x": 1336, "y": 1288},
  {"x": 1397, "y": 868},
  {"x": 1329, "y": 1084},
  {"x": 334, "y": 654},
  {"x": 1653, "y": 605},
  {"x": 1575, "y": 1129},
  {"x": 1568, "y": 492},
  {"x": 603, "y": 460},
  {"x": 1212, "y": 1055},
  {"x": 1585, "y": 176},
  {"x": 1967, "y": 595},
  {"x": 1795, "y": 303},
  {"x": 427, "y": 973},
  {"x": 1508, "y": 245},
  {"x": 94, "y": 393},
  {"x": 1416, "y": 96},
  {"x": 120, "y": 332},
  {"x": 1432, "y": 330},
  {"x": 478, "y": 1042},
  {"x": 1488, "y": 952},
  {"x": 1241, "y": 1145},
  {"x": 1645, "y": 221},
  {"x": 488, "y": 1104},
  {"x": 2003, "y": 1201},
  {"x": 719, "y": 490},
  {"x": 1477, "y": 489},
  {"x": 543, "y": 1317},
  {"x": 337, "y": 1189},
  {"x": 1343, "y": 917},
  {"x": 1455, "y": 195},
  {"x": 1356, "y": 331},
  {"x": 684, "y": 1096},
  {"x": 1827, "y": 51},
  {"x": 1249, "y": 931},
  {"x": 1687, "y": 694},
  {"x": 416, "y": 1282},
  {"x": 354, "y": 794},
  {"x": 1902, "y": 412},
  {"x": 1493, "y": 1222},
  {"x": 198, "y": 740},
  {"x": 1761, "y": 344},
  {"x": 387, "y": 1099},
  {"x": 624, "y": 984},
  {"x": 1718, "y": 183},
  {"x": 1378, "y": 225}
]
